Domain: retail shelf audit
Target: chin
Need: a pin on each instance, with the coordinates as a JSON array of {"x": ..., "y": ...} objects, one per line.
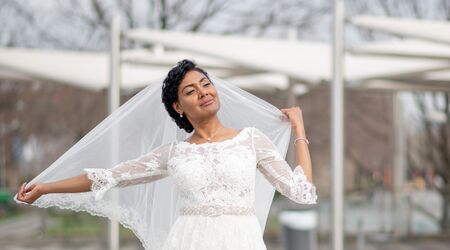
[
  {"x": 211, "y": 111},
  {"x": 216, "y": 106}
]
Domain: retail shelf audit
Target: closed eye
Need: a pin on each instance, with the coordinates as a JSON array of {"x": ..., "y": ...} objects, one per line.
[{"x": 191, "y": 91}]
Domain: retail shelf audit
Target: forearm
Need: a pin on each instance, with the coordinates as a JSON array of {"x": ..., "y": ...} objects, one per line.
[
  {"x": 75, "y": 184},
  {"x": 302, "y": 153}
]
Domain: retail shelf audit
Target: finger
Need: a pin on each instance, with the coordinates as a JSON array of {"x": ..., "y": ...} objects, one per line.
[
  {"x": 26, "y": 200},
  {"x": 22, "y": 198},
  {"x": 33, "y": 196},
  {"x": 22, "y": 189},
  {"x": 25, "y": 184},
  {"x": 30, "y": 187},
  {"x": 19, "y": 196}
]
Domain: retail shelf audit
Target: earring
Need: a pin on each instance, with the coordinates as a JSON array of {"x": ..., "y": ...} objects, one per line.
[{"x": 181, "y": 114}]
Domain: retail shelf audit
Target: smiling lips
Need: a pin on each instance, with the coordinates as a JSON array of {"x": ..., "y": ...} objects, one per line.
[{"x": 206, "y": 103}]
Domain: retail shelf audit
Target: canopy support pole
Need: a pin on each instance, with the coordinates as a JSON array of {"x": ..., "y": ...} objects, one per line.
[
  {"x": 337, "y": 128},
  {"x": 113, "y": 104}
]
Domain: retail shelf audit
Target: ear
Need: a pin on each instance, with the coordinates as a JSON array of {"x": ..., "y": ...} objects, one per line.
[{"x": 177, "y": 107}]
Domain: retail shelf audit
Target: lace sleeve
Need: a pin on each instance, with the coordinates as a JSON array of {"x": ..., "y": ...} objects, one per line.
[
  {"x": 145, "y": 168},
  {"x": 292, "y": 184}
]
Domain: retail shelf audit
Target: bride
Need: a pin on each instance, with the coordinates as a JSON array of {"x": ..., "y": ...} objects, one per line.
[{"x": 218, "y": 200}]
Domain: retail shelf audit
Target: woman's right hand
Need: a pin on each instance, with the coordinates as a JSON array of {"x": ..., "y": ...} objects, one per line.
[{"x": 30, "y": 194}]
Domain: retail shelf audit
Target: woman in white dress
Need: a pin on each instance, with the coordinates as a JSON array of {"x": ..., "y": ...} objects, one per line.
[{"x": 214, "y": 169}]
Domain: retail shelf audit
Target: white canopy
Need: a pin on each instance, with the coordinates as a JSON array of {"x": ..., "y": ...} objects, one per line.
[
  {"x": 424, "y": 29},
  {"x": 81, "y": 69},
  {"x": 443, "y": 75},
  {"x": 90, "y": 70},
  {"x": 410, "y": 48},
  {"x": 253, "y": 63},
  {"x": 306, "y": 62}
]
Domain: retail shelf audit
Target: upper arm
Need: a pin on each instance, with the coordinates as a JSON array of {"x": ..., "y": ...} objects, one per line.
[{"x": 146, "y": 168}]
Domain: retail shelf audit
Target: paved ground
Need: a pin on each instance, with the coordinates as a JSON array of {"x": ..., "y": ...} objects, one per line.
[
  {"x": 21, "y": 235},
  {"x": 25, "y": 225},
  {"x": 92, "y": 244},
  {"x": 39, "y": 243},
  {"x": 76, "y": 245}
]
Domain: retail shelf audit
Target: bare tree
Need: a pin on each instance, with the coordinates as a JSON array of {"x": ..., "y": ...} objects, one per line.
[
  {"x": 433, "y": 149},
  {"x": 84, "y": 25}
]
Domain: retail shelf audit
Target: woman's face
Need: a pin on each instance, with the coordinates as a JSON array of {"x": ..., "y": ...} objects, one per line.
[{"x": 197, "y": 97}]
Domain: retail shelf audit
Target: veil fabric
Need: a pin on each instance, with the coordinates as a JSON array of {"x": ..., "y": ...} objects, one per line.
[{"x": 138, "y": 126}]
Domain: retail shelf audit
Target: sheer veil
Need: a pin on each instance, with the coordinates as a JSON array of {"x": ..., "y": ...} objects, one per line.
[{"x": 138, "y": 126}]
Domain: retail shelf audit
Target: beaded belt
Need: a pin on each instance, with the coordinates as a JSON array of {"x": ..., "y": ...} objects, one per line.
[{"x": 213, "y": 210}]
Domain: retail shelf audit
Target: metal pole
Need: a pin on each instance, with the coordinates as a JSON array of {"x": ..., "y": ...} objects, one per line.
[
  {"x": 291, "y": 102},
  {"x": 114, "y": 103},
  {"x": 399, "y": 165},
  {"x": 291, "y": 99},
  {"x": 337, "y": 128}
]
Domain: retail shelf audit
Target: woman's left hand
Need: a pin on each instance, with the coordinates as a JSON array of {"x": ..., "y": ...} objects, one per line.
[{"x": 294, "y": 115}]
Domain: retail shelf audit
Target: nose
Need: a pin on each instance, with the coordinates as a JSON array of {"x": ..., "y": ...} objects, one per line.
[{"x": 202, "y": 92}]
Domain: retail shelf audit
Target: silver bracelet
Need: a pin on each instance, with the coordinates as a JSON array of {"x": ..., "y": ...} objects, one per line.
[{"x": 302, "y": 139}]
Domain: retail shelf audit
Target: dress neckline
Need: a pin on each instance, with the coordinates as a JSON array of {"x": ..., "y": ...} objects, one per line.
[{"x": 216, "y": 142}]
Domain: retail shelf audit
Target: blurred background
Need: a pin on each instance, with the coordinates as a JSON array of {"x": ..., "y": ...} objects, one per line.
[{"x": 54, "y": 76}]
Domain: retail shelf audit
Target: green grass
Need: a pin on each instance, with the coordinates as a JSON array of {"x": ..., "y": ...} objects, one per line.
[{"x": 73, "y": 224}]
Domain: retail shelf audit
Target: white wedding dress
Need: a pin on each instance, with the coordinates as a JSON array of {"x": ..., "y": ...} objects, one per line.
[{"x": 216, "y": 182}]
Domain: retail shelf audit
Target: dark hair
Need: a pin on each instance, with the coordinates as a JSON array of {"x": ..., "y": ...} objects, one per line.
[{"x": 169, "y": 93}]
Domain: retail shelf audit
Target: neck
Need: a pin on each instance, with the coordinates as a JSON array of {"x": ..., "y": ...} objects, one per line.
[{"x": 207, "y": 128}]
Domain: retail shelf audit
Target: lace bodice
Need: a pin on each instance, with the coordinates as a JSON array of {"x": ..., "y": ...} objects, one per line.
[{"x": 214, "y": 177}]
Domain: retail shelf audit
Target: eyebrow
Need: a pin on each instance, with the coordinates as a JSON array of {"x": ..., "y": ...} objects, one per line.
[{"x": 190, "y": 84}]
